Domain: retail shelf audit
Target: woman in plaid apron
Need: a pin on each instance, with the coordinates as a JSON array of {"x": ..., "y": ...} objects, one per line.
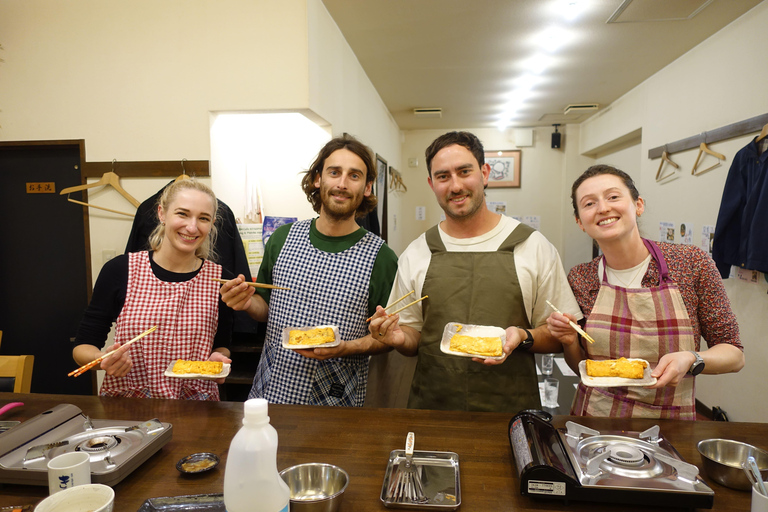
[
  {"x": 643, "y": 300},
  {"x": 171, "y": 287}
]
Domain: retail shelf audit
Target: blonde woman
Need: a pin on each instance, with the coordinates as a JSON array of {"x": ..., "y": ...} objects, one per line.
[{"x": 169, "y": 286}]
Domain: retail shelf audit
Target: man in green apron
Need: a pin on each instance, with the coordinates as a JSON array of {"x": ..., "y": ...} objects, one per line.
[{"x": 480, "y": 268}]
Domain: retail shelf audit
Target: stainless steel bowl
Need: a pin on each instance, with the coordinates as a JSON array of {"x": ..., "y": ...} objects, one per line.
[
  {"x": 315, "y": 487},
  {"x": 722, "y": 459}
]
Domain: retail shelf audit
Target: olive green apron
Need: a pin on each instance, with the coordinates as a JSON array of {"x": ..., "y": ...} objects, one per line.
[{"x": 479, "y": 288}]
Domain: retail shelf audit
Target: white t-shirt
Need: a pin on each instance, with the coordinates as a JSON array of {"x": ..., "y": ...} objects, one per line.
[{"x": 537, "y": 262}]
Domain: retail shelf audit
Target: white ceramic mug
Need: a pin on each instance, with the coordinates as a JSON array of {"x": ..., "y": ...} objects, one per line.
[
  {"x": 759, "y": 501},
  {"x": 68, "y": 470},
  {"x": 83, "y": 498}
]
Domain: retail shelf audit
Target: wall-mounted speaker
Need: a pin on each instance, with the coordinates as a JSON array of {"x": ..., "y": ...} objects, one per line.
[{"x": 556, "y": 140}]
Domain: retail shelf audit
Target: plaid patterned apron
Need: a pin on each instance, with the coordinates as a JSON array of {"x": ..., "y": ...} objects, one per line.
[
  {"x": 187, "y": 316},
  {"x": 325, "y": 289},
  {"x": 644, "y": 323}
]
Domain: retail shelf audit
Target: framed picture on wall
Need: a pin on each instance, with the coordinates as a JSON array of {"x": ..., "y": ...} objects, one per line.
[
  {"x": 380, "y": 190},
  {"x": 505, "y": 168}
]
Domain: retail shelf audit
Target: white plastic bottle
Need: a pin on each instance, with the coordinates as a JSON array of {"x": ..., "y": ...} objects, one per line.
[{"x": 251, "y": 480}]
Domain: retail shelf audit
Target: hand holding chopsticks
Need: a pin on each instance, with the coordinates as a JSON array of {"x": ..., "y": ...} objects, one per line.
[
  {"x": 255, "y": 285},
  {"x": 573, "y": 324},
  {"x": 96, "y": 361}
]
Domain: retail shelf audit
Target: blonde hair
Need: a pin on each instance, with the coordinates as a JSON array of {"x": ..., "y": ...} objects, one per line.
[{"x": 207, "y": 248}]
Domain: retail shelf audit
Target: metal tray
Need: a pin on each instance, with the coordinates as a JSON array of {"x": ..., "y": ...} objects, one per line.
[
  {"x": 194, "y": 503},
  {"x": 439, "y": 474}
]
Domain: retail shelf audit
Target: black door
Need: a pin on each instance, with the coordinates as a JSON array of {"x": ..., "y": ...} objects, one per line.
[{"x": 43, "y": 283}]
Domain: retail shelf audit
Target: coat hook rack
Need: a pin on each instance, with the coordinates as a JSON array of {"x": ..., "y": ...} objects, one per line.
[{"x": 752, "y": 125}]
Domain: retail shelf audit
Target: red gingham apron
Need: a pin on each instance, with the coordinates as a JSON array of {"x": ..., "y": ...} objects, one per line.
[
  {"x": 642, "y": 323},
  {"x": 187, "y": 316}
]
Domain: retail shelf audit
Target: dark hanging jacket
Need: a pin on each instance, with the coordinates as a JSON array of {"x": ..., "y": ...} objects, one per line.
[{"x": 741, "y": 232}]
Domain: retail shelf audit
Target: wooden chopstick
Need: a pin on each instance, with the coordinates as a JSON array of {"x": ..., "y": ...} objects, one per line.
[
  {"x": 255, "y": 285},
  {"x": 573, "y": 324},
  {"x": 398, "y": 300},
  {"x": 408, "y": 305},
  {"x": 96, "y": 361}
]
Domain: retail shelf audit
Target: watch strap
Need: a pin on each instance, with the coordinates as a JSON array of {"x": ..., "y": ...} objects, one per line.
[
  {"x": 527, "y": 343},
  {"x": 698, "y": 364}
]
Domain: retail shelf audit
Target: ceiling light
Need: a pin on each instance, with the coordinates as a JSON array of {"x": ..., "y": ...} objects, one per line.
[
  {"x": 552, "y": 39},
  {"x": 538, "y": 63}
]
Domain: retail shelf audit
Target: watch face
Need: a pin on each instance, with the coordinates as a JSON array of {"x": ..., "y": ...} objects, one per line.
[{"x": 697, "y": 368}]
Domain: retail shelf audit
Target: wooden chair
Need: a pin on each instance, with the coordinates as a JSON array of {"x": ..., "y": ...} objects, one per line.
[{"x": 16, "y": 373}]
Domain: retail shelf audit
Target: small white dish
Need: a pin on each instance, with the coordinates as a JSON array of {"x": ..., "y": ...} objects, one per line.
[
  {"x": 478, "y": 331},
  {"x": 224, "y": 372},
  {"x": 287, "y": 335},
  {"x": 615, "y": 382}
]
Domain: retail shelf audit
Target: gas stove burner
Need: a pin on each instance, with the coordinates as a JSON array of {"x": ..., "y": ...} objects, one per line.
[
  {"x": 625, "y": 454},
  {"x": 115, "y": 448},
  {"x": 580, "y": 463},
  {"x": 626, "y": 457},
  {"x": 98, "y": 444}
]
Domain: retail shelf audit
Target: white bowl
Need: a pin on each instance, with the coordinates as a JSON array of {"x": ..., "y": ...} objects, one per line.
[{"x": 81, "y": 498}]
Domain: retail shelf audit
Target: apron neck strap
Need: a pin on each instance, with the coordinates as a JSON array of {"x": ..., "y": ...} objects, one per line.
[
  {"x": 659, "y": 258},
  {"x": 655, "y": 254}
]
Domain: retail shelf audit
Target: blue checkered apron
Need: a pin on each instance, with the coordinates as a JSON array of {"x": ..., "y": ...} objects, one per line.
[{"x": 325, "y": 289}]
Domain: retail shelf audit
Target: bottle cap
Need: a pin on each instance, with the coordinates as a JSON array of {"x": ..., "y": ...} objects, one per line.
[{"x": 256, "y": 411}]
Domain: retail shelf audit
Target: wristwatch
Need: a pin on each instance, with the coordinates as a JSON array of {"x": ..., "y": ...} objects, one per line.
[
  {"x": 527, "y": 343},
  {"x": 698, "y": 365}
]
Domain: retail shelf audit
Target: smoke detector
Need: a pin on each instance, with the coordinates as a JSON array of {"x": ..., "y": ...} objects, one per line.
[
  {"x": 580, "y": 108},
  {"x": 428, "y": 112}
]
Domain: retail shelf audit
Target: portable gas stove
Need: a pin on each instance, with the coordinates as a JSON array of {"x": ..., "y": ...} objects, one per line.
[
  {"x": 578, "y": 463},
  {"x": 116, "y": 447}
]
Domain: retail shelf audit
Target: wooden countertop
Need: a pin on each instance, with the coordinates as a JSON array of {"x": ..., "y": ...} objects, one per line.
[{"x": 360, "y": 441}]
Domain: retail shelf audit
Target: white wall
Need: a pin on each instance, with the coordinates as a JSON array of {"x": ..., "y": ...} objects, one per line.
[
  {"x": 717, "y": 83},
  {"x": 140, "y": 80}
]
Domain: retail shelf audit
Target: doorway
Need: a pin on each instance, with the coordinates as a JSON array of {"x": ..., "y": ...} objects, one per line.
[{"x": 44, "y": 288}]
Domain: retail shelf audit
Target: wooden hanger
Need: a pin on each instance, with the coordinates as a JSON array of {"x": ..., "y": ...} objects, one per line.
[
  {"x": 702, "y": 150},
  {"x": 763, "y": 134},
  {"x": 108, "y": 178},
  {"x": 396, "y": 182},
  {"x": 665, "y": 159},
  {"x": 183, "y": 175}
]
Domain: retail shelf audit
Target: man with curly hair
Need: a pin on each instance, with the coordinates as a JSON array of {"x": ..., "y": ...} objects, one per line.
[{"x": 336, "y": 273}]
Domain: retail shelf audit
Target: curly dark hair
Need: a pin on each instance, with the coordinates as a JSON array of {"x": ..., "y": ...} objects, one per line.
[
  {"x": 350, "y": 143},
  {"x": 466, "y": 139},
  {"x": 597, "y": 170}
]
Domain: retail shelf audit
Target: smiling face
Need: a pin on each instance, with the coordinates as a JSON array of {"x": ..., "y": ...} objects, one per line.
[
  {"x": 458, "y": 181},
  {"x": 342, "y": 184},
  {"x": 188, "y": 220},
  {"x": 606, "y": 210}
]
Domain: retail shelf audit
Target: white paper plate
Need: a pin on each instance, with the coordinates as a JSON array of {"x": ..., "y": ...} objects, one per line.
[
  {"x": 479, "y": 331},
  {"x": 615, "y": 382},
  {"x": 224, "y": 372},
  {"x": 287, "y": 336}
]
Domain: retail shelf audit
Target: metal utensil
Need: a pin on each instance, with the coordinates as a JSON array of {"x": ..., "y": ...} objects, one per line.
[
  {"x": 756, "y": 476},
  {"x": 408, "y": 487}
]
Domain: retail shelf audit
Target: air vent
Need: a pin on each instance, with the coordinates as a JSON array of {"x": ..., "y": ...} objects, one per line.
[
  {"x": 428, "y": 112},
  {"x": 580, "y": 108}
]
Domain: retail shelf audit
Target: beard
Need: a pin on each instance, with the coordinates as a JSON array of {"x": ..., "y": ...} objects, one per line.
[
  {"x": 335, "y": 210},
  {"x": 474, "y": 203}
]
